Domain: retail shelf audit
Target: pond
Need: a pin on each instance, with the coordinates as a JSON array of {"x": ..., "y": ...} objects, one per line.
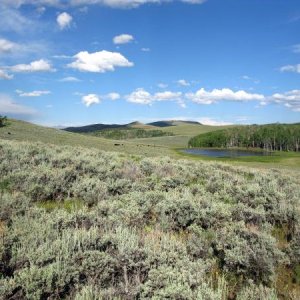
[{"x": 225, "y": 152}]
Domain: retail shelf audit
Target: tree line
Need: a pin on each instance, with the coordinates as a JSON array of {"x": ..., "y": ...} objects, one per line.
[
  {"x": 129, "y": 133},
  {"x": 2, "y": 120},
  {"x": 280, "y": 137}
]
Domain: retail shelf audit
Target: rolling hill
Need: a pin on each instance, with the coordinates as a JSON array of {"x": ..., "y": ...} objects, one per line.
[{"x": 155, "y": 146}]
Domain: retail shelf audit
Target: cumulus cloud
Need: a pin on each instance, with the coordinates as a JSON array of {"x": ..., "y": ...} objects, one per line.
[
  {"x": 167, "y": 96},
  {"x": 208, "y": 97},
  {"x": 99, "y": 62},
  {"x": 290, "y": 99},
  {"x": 64, "y": 20},
  {"x": 291, "y": 68},
  {"x": 35, "y": 66},
  {"x": 141, "y": 96},
  {"x": 4, "y": 75},
  {"x": 112, "y": 96},
  {"x": 123, "y": 39},
  {"x": 183, "y": 82},
  {"x": 32, "y": 94},
  {"x": 90, "y": 99},
  {"x": 70, "y": 79},
  {"x": 146, "y": 49},
  {"x": 9, "y": 107},
  {"x": 7, "y": 46}
]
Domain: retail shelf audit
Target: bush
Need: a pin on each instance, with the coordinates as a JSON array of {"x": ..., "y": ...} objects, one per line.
[{"x": 143, "y": 227}]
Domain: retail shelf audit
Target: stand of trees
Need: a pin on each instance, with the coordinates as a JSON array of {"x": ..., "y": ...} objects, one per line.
[
  {"x": 129, "y": 133},
  {"x": 281, "y": 137},
  {"x": 2, "y": 120}
]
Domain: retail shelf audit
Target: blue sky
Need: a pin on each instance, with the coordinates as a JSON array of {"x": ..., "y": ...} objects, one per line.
[{"x": 115, "y": 61}]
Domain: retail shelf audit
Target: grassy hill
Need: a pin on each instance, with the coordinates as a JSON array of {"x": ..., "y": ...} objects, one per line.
[
  {"x": 24, "y": 131},
  {"x": 182, "y": 131}
]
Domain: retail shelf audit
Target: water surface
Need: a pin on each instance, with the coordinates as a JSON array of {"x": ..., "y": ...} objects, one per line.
[{"x": 225, "y": 152}]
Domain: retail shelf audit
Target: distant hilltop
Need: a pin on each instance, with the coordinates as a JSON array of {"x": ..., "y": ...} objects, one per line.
[{"x": 135, "y": 124}]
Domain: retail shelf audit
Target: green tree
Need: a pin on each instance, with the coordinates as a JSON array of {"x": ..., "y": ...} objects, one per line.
[{"x": 2, "y": 120}]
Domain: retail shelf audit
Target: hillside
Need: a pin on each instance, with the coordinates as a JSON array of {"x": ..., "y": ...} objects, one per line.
[
  {"x": 182, "y": 131},
  {"x": 24, "y": 131},
  {"x": 92, "y": 128},
  {"x": 79, "y": 223},
  {"x": 99, "y": 127}
]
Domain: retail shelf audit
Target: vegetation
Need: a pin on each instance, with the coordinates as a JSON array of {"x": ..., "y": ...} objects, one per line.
[
  {"x": 3, "y": 120},
  {"x": 130, "y": 133},
  {"x": 280, "y": 137},
  {"x": 143, "y": 228}
]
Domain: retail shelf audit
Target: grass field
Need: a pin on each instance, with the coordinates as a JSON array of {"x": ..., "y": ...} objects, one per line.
[{"x": 24, "y": 131}]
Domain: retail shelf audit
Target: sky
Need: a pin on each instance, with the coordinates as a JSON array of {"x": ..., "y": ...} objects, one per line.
[{"x": 77, "y": 62}]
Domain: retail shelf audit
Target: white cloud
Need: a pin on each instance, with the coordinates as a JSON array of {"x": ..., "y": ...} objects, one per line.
[
  {"x": 40, "y": 10},
  {"x": 140, "y": 96},
  {"x": 194, "y": 1},
  {"x": 206, "y": 97},
  {"x": 64, "y": 20},
  {"x": 99, "y": 62},
  {"x": 290, "y": 99},
  {"x": 243, "y": 119},
  {"x": 10, "y": 107},
  {"x": 167, "y": 96},
  {"x": 123, "y": 39},
  {"x": 115, "y": 3},
  {"x": 246, "y": 77},
  {"x": 110, "y": 3},
  {"x": 90, "y": 99},
  {"x": 183, "y": 82},
  {"x": 18, "y": 3},
  {"x": 35, "y": 66},
  {"x": 7, "y": 46},
  {"x": 112, "y": 96},
  {"x": 11, "y": 49},
  {"x": 13, "y": 20},
  {"x": 291, "y": 68},
  {"x": 162, "y": 85},
  {"x": 61, "y": 56},
  {"x": 70, "y": 79},
  {"x": 32, "y": 94},
  {"x": 128, "y": 3},
  {"x": 213, "y": 122},
  {"x": 146, "y": 49},
  {"x": 4, "y": 75},
  {"x": 181, "y": 103}
]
